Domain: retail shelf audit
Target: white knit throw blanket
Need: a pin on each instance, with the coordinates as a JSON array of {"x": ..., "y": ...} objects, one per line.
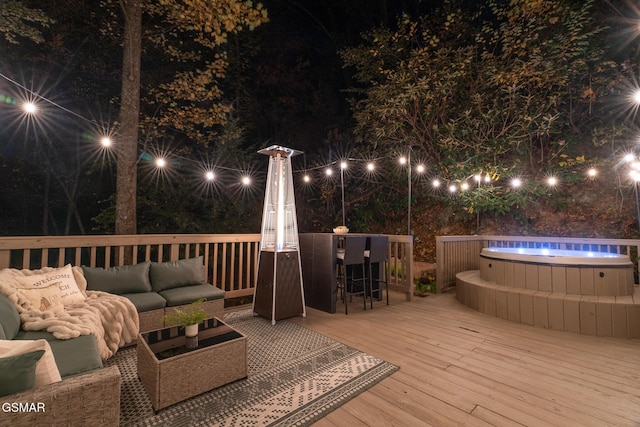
[{"x": 111, "y": 318}]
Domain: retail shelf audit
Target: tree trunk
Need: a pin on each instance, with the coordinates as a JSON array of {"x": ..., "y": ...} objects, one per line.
[{"x": 127, "y": 146}]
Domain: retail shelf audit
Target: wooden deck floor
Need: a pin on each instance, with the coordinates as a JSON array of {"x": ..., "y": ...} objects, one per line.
[{"x": 461, "y": 367}]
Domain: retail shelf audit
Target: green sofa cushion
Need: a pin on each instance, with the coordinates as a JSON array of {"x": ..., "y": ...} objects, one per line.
[
  {"x": 146, "y": 301},
  {"x": 122, "y": 279},
  {"x": 189, "y": 294},
  {"x": 73, "y": 356},
  {"x": 9, "y": 319},
  {"x": 18, "y": 373},
  {"x": 174, "y": 274}
]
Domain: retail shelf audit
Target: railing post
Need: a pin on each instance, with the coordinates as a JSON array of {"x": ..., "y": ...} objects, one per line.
[
  {"x": 440, "y": 271},
  {"x": 411, "y": 284}
]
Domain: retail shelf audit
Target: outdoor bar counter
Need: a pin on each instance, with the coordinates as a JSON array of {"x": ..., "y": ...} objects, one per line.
[{"x": 318, "y": 258}]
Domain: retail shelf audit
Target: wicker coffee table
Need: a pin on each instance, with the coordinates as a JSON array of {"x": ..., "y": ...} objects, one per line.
[{"x": 171, "y": 373}]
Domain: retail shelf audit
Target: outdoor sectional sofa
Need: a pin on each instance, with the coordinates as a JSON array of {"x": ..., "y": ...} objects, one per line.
[
  {"x": 88, "y": 393},
  {"x": 157, "y": 289}
]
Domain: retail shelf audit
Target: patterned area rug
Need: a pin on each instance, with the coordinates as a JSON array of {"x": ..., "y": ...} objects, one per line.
[{"x": 296, "y": 377}]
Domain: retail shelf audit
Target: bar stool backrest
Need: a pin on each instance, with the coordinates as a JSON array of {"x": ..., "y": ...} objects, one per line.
[
  {"x": 378, "y": 249},
  {"x": 354, "y": 250}
]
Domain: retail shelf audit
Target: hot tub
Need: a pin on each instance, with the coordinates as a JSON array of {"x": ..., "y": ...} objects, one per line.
[{"x": 558, "y": 271}]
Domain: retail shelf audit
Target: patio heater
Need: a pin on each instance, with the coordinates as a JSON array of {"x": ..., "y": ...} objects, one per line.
[{"x": 278, "y": 292}]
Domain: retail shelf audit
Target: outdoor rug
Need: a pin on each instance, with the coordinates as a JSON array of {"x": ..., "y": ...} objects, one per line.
[{"x": 296, "y": 376}]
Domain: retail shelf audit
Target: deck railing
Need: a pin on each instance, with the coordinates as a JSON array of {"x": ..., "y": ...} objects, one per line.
[
  {"x": 230, "y": 260},
  {"x": 461, "y": 253}
]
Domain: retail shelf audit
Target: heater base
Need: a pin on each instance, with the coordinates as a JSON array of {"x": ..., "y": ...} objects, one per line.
[{"x": 288, "y": 296}]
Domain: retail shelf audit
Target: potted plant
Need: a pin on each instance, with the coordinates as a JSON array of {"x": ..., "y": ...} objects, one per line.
[{"x": 189, "y": 317}]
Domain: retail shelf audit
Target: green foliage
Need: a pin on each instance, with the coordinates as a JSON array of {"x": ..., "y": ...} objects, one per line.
[
  {"x": 485, "y": 89},
  {"x": 191, "y": 37},
  {"x": 191, "y": 315},
  {"x": 19, "y": 21}
]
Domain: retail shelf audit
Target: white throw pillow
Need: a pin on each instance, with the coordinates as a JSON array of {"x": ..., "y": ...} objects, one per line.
[
  {"x": 44, "y": 298},
  {"x": 69, "y": 291},
  {"x": 46, "y": 369}
]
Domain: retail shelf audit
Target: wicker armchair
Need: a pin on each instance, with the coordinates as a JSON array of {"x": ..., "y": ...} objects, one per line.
[{"x": 91, "y": 399}]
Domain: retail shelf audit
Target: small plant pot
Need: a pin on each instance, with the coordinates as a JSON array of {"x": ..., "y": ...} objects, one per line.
[{"x": 191, "y": 330}]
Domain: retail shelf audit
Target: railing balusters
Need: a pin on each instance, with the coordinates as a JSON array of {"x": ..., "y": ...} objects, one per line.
[{"x": 230, "y": 260}]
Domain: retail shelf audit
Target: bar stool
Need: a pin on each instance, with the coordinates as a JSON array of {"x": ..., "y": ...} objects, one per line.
[
  {"x": 376, "y": 254},
  {"x": 352, "y": 255}
]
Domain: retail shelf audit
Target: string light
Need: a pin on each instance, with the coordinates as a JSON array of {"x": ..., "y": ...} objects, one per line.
[{"x": 30, "y": 107}]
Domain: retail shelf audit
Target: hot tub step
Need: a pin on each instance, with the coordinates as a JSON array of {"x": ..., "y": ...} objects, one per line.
[{"x": 606, "y": 316}]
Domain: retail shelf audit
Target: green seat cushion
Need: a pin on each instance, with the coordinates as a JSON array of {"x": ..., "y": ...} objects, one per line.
[
  {"x": 9, "y": 319},
  {"x": 35, "y": 335},
  {"x": 18, "y": 373},
  {"x": 122, "y": 279},
  {"x": 174, "y": 274},
  {"x": 189, "y": 294},
  {"x": 146, "y": 301},
  {"x": 73, "y": 356}
]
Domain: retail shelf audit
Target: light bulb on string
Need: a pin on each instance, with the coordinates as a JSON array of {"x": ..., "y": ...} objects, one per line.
[
  {"x": 516, "y": 183},
  {"x": 106, "y": 142},
  {"x": 29, "y": 108}
]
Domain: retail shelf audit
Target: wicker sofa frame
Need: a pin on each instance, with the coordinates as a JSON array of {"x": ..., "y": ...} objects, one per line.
[{"x": 91, "y": 399}]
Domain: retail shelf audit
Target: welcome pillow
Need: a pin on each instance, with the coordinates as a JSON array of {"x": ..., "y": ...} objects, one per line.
[{"x": 69, "y": 291}]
